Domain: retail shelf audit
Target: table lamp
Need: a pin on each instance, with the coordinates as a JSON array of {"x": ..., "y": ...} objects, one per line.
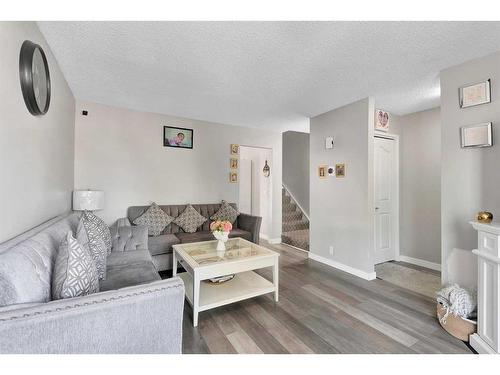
[{"x": 88, "y": 200}]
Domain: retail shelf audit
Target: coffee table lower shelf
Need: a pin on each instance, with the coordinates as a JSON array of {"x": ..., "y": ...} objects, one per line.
[{"x": 244, "y": 285}]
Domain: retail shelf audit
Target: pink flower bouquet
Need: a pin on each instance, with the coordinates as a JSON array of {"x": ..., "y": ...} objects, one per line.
[
  {"x": 220, "y": 229},
  {"x": 221, "y": 226}
]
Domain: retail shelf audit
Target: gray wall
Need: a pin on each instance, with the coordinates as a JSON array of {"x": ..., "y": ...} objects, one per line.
[
  {"x": 470, "y": 177},
  {"x": 420, "y": 185},
  {"x": 341, "y": 209},
  {"x": 36, "y": 153},
  {"x": 121, "y": 152},
  {"x": 296, "y": 166}
]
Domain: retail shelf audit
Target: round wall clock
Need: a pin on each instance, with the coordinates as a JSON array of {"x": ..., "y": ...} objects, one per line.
[{"x": 35, "y": 78}]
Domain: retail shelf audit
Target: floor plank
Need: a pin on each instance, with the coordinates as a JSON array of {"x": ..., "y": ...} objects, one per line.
[{"x": 321, "y": 310}]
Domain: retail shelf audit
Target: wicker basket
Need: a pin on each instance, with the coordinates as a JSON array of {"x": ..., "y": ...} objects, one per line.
[{"x": 458, "y": 327}]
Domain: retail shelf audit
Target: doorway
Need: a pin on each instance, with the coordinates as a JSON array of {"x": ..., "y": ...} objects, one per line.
[
  {"x": 386, "y": 197},
  {"x": 255, "y": 189}
]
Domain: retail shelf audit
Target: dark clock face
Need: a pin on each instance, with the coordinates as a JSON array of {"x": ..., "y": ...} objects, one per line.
[{"x": 35, "y": 78}]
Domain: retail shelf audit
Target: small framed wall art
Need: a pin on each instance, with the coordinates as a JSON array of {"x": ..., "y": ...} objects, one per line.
[
  {"x": 479, "y": 135},
  {"x": 475, "y": 94},
  {"x": 235, "y": 149},
  {"x": 233, "y": 177},
  {"x": 381, "y": 120},
  {"x": 177, "y": 137},
  {"x": 233, "y": 163},
  {"x": 340, "y": 170},
  {"x": 322, "y": 171}
]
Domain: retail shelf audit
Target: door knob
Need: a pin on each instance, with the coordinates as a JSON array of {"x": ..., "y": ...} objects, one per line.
[{"x": 376, "y": 208}]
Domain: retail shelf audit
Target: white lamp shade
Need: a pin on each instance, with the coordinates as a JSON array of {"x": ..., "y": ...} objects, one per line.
[{"x": 90, "y": 200}]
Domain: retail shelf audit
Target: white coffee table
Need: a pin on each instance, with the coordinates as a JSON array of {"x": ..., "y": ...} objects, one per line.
[{"x": 202, "y": 262}]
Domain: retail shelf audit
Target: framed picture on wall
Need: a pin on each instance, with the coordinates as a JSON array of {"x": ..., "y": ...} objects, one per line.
[
  {"x": 177, "y": 137},
  {"x": 233, "y": 177},
  {"x": 475, "y": 94},
  {"x": 381, "y": 120},
  {"x": 479, "y": 135},
  {"x": 235, "y": 149},
  {"x": 233, "y": 163},
  {"x": 340, "y": 170},
  {"x": 322, "y": 171}
]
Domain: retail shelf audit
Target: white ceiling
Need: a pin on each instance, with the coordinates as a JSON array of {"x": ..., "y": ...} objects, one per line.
[{"x": 263, "y": 74}]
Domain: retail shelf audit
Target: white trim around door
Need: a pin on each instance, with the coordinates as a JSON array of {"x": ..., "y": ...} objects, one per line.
[{"x": 394, "y": 199}]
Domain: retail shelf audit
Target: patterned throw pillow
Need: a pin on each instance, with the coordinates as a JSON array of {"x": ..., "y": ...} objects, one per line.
[
  {"x": 88, "y": 236},
  {"x": 101, "y": 228},
  {"x": 155, "y": 219},
  {"x": 226, "y": 212},
  {"x": 74, "y": 271},
  {"x": 190, "y": 219}
]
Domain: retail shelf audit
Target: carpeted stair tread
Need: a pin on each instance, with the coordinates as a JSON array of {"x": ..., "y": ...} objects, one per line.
[
  {"x": 295, "y": 225},
  {"x": 291, "y": 225},
  {"x": 297, "y": 238},
  {"x": 292, "y": 216},
  {"x": 289, "y": 207}
]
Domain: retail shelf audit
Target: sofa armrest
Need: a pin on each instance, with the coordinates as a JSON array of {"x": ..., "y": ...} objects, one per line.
[
  {"x": 251, "y": 224},
  {"x": 129, "y": 238},
  {"x": 139, "y": 319}
]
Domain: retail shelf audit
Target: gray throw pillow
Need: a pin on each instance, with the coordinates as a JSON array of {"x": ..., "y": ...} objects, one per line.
[
  {"x": 226, "y": 212},
  {"x": 101, "y": 228},
  {"x": 190, "y": 219},
  {"x": 74, "y": 272},
  {"x": 155, "y": 219},
  {"x": 88, "y": 236}
]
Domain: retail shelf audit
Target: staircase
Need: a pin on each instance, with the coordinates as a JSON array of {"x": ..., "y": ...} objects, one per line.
[{"x": 295, "y": 227}]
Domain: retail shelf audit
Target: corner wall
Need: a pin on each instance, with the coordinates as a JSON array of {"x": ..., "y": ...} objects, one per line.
[
  {"x": 296, "y": 166},
  {"x": 121, "y": 152},
  {"x": 36, "y": 152},
  {"x": 470, "y": 177},
  {"x": 341, "y": 209},
  {"x": 420, "y": 186}
]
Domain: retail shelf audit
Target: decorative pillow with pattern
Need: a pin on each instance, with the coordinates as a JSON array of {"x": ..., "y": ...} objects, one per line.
[
  {"x": 190, "y": 219},
  {"x": 88, "y": 236},
  {"x": 100, "y": 226},
  {"x": 226, "y": 212},
  {"x": 74, "y": 273},
  {"x": 155, "y": 219}
]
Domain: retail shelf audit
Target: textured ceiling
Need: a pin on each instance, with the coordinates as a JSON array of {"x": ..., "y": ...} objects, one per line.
[{"x": 263, "y": 74}]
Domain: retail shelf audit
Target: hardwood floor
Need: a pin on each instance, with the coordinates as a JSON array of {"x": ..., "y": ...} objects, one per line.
[{"x": 321, "y": 310}]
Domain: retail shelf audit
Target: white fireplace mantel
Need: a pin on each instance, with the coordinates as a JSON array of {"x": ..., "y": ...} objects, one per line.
[{"x": 487, "y": 338}]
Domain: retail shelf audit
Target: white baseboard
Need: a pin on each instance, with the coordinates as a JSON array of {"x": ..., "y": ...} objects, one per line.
[
  {"x": 274, "y": 241},
  {"x": 295, "y": 247},
  {"x": 420, "y": 262},
  {"x": 343, "y": 267},
  {"x": 480, "y": 345}
]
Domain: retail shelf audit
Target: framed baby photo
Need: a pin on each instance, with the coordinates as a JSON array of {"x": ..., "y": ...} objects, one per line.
[
  {"x": 340, "y": 170},
  {"x": 177, "y": 137},
  {"x": 235, "y": 149},
  {"x": 233, "y": 163}
]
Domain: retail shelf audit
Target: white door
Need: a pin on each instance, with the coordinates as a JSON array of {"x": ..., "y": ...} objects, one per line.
[
  {"x": 245, "y": 183},
  {"x": 386, "y": 231}
]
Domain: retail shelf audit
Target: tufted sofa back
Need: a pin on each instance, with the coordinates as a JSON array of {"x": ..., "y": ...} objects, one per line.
[
  {"x": 206, "y": 210},
  {"x": 26, "y": 261}
]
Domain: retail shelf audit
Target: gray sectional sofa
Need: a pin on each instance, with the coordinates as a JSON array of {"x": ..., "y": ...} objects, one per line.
[
  {"x": 135, "y": 311},
  {"x": 246, "y": 226}
]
